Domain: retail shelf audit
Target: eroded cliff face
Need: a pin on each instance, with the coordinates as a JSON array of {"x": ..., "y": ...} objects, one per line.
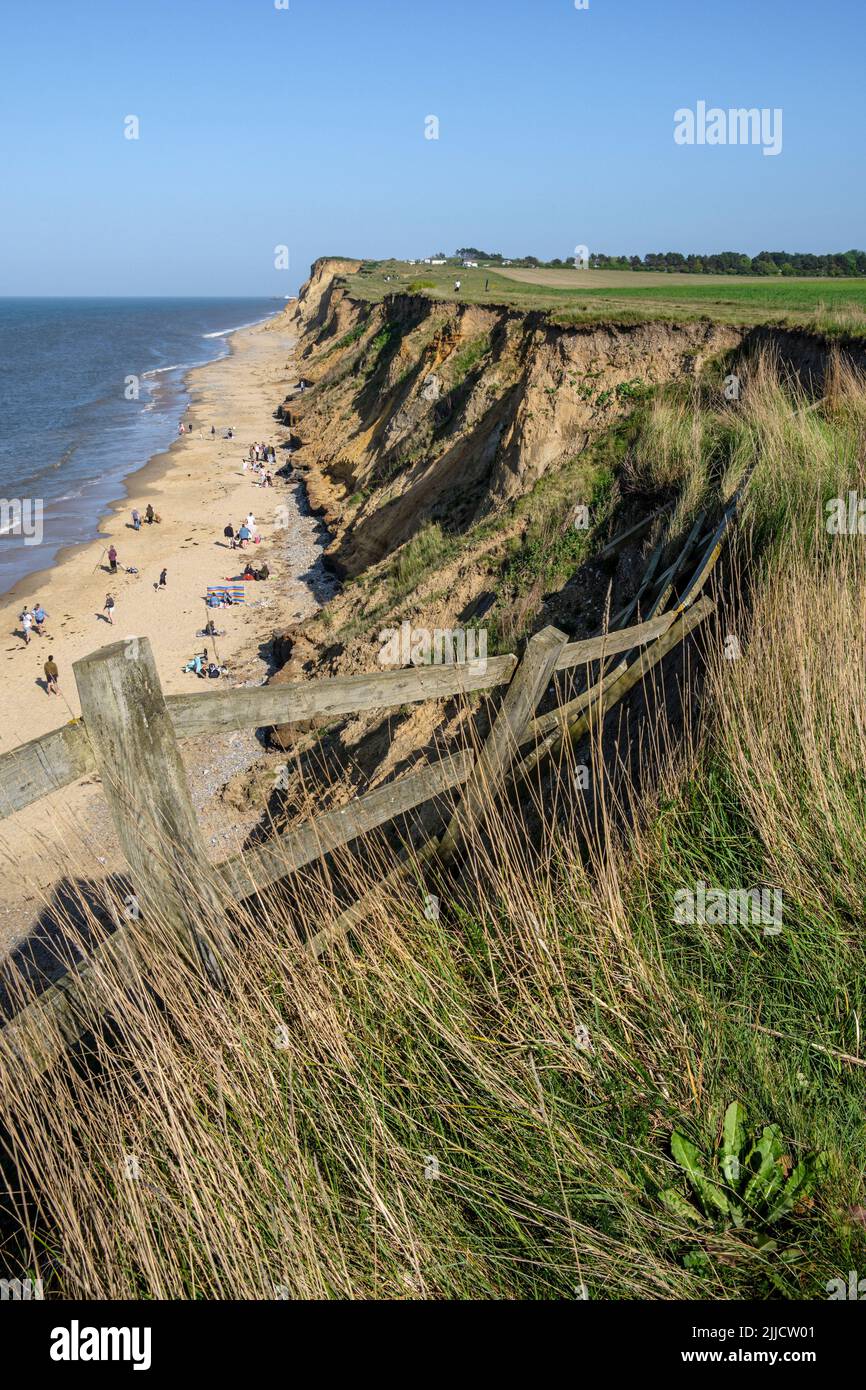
[
  {"x": 312, "y": 308},
  {"x": 446, "y": 446},
  {"x": 424, "y": 410}
]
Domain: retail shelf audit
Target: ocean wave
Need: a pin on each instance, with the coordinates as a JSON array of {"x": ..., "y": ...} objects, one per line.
[
  {"x": 224, "y": 332},
  {"x": 175, "y": 367}
]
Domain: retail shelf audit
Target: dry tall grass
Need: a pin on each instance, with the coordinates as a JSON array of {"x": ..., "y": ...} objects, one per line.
[{"x": 477, "y": 1102}]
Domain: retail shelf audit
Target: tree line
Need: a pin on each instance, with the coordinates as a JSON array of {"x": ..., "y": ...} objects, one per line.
[{"x": 837, "y": 263}]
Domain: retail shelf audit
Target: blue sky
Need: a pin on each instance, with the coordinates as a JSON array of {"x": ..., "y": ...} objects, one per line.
[{"x": 304, "y": 127}]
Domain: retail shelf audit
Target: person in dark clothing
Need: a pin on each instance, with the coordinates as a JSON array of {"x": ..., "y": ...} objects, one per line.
[{"x": 229, "y": 533}]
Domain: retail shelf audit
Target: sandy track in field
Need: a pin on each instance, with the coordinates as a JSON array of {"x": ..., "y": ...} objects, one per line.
[{"x": 622, "y": 279}]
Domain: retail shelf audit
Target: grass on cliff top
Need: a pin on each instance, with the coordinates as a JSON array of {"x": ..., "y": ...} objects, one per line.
[{"x": 835, "y": 307}]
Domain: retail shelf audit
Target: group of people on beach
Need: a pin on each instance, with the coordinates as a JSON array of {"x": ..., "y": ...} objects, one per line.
[
  {"x": 113, "y": 562},
  {"x": 150, "y": 517},
  {"x": 239, "y": 539},
  {"x": 34, "y": 620},
  {"x": 260, "y": 455},
  {"x": 203, "y": 666},
  {"x": 262, "y": 573}
]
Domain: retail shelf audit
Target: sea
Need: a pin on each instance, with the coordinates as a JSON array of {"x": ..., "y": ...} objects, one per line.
[{"x": 90, "y": 389}]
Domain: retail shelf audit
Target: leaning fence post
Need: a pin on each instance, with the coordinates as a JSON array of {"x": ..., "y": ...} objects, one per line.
[
  {"x": 145, "y": 785},
  {"x": 526, "y": 688}
]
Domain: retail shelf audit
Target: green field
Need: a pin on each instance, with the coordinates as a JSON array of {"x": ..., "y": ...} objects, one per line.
[{"x": 833, "y": 306}]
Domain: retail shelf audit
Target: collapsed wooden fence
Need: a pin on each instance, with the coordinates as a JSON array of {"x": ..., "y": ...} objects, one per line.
[{"x": 129, "y": 731}]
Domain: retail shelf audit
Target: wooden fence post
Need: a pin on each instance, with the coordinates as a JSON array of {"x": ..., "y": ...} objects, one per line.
[
  {"x": 527, "y": 686},
  {"x": 145, "y": 785}
]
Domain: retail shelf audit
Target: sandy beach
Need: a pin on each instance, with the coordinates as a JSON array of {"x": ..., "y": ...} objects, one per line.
[{"x": 196, "y": 487}]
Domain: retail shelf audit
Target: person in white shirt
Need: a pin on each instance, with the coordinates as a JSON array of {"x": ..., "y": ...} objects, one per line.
[
  {"x": 251, "y": 523},
  {"x": 26, "y": 624}
]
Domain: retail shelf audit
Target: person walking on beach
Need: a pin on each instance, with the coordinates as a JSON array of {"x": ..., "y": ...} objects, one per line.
[
  {"x": 52, "y": 676},
  {"x": 148, "y": 515},
  {"x": 251, "y": 523},
  {"x": 244, "y": 535},
  {"x": 229, "y": 533},
  {"x": 112, "y": 559},
  {"x": 108, "y": 609},
  {"x": 136, "y": 519},
  {"x": 39, "y": 618},
  {"x": 162, "y": 582},
  {"x": 26, "y": 621}
]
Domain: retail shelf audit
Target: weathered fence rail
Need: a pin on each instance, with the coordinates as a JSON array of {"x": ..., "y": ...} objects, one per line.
[
  {"x": 129, "y": 733},
  {"x": 42, "y": 766},
  {"x": 47, "y": 764}
]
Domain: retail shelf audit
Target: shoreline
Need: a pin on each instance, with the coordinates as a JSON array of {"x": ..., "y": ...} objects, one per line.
[
  {"x": 187, "y": 465},
  {"x": 160, "y": 463},
  {"x": 197, "y": 485}
]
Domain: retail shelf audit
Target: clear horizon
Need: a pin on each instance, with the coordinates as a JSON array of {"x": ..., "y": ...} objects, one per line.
[{"x": 258, "y": 129}]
